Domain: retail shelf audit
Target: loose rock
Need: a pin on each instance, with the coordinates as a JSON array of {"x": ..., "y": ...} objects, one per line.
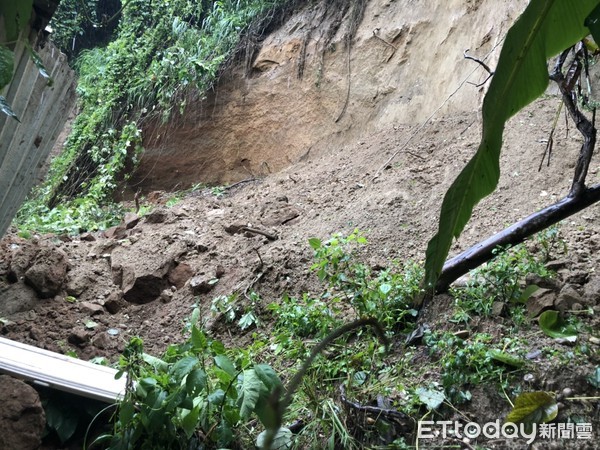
[
  {"x": 22, "y": 418},
  {"x": 48, "y": 272},
  {"x": 540, "y": 300},
  {"x": 201, "y": 284}
]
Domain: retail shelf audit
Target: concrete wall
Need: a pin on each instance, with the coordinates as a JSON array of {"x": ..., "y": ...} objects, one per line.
[{"x": 42, "y": 110}]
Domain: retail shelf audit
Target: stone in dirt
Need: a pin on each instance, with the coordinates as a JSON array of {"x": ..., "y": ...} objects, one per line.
[
  {"x": 180, "y": 274},
  {"x": 577, "y": 277},
  {"x": 78, "y": 283},
  {"x": 114, "y": 303},
  {"x": 103, "y": 341},
  {"x": 142, "y": 279},
  {"x": 87, "y": 237},
  {"x": 79, "y": 337},
  {"x": 540, "y": 300},
  {"x": 22, "y": 418},
  {"x": 16, "y": 298},
  {"x": 166, "y": 296},
  {"x": 130, "y": 220},
  {"x": 201, "y": 284},
  {"x": 546, "y": 283},
  {"x": 117, "y": 232},
  {"x": 592, "y": 291},
  {"x": 48, "y": 272},
  {"x": 91, "y": 308},
  {"x": 159, "y": 215},
  {"x": 20, "y": 261},
  {"x": 567, "y": 297}
]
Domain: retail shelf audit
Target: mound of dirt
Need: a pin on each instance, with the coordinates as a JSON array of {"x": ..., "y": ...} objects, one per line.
[{"x": 309, "y": 170}]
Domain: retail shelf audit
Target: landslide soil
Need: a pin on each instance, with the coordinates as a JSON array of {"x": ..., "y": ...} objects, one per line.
[
  {"x": 390, "y": 191},
  {"x": 312, "y": 166}
]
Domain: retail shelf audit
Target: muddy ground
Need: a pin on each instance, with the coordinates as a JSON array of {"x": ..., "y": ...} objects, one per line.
[{"x": 89, "y": 294}]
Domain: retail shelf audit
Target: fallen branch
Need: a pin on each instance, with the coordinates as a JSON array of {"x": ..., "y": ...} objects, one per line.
[
  {"x": 579, "y": 196},
  {"x": 515, "y": 234},
  {"x": 376, "y": 411},
  {"x": 247, "y": 180},
  {"x": 233, "y": 229}
]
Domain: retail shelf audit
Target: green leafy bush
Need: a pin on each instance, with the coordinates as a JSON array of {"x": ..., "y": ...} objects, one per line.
[
  {"x": 502, "y": 279},
  {"x": 196, "y": 395},
  {"x": 163, "y": 53},
  {"x": 385, "y": 295}
]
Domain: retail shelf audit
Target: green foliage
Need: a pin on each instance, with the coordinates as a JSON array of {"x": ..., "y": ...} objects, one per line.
[
  {"x": 75, "y": 21},
  {"x": 67, "y": 415},
  {"x": 7, "y": 65},
  {"x": 196, "y": 389},
  {"x": 162, "y": 53},
  {"x": 594, "y": 378},
  {"x": 533, "y": 407},
  {"x": 431, "y": 397},
  {"x": 499, "y": 280},
  {"x": 544, "y": 29},
  {"x": 469, "y": 362},
  {"x": 305, "y": 317},
  {"x": 384, "y": 295},
  {"x": 16, "y": 15},
  {"x": 553, "y": 325}
]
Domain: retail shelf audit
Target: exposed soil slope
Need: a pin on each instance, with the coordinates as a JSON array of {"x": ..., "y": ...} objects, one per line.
[
  {"x": 304, "y": 91},
  {"x": 377, "y": 168}
]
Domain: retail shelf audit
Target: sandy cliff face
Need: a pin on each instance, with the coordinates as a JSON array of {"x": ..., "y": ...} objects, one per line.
[{"x": 307, "y": 91}]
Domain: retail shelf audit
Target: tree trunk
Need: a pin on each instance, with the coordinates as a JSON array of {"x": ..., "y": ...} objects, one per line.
[{"x": 515, "y": 234}]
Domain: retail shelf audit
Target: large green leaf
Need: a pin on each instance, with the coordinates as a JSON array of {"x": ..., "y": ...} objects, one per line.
[
  {"x": 189, "y": 421},
  {"x": 554, "y": 326},
  {"x": 433, "y": 398},
  {"x": 251, "y": 389},
  {"x": 6, "y": 109},
  {"x": 533, "y": 407},
  {"x": 182, "y": 367},
  {"x": 16, "y": 14},
  {"x": 7, "y": 65},
  {"x": 545, "y": 28},
  {"x": 282, "y": 441}
]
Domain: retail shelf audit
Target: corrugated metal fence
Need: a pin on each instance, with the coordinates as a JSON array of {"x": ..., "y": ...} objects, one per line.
[{"x": 43, "y": 110}]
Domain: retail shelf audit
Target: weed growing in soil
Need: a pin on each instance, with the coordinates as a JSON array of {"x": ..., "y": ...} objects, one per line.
[
  {"x": 197, "y": 395},
  {"x": 384, "y": 295},
  {"x": 199, "y": 391},
  {"x": 471, "y": 362},
  {"x": 503, "y": 280}
]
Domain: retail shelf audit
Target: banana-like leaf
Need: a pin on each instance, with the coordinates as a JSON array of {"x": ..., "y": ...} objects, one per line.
[
  {"x": 7, "y": 65},
  {"x": 37, "y": 60},
  {"x": 545, "y": 28},
  {"x": 6, "y": 109},
  {"x": 16, "y": 15}
]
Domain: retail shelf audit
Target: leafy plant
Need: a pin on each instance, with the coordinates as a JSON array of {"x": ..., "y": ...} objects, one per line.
[
  {"x": 385, "y": 295},
  {"x": 162, "y": 53},
  {"x": 225, "y": 305},
  {"x": 532, "y": 408},
  {"x": 194, "y": 395},
  {"x": 544, "y": 29},
  {"x": 468, "y": 362},
  {"x": 554, "y": 326},
  {"x": 250, "y": 316},
  {"x": 501, "y": 279},
  {"x": 302, "y": 318}
]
